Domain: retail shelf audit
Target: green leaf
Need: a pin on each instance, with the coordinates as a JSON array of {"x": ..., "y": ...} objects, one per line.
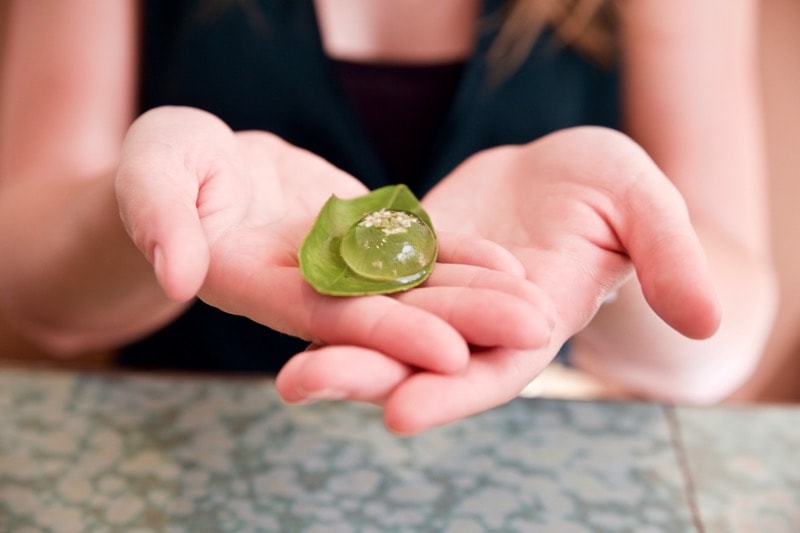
[{"x": 381, "y": 242}]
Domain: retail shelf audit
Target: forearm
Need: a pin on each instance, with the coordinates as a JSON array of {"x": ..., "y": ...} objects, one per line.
[
  {"x": 629, "y": 346},
  {"x": 70, "y": 278}
]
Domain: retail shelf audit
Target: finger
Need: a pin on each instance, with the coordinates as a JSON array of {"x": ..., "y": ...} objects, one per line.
[
  {"x": 523, "y": 321},
  {"x": 410, "y": 334},
  {"x": 426, "y": 400},
  {"x": 686, "y": 301},
  {"x": 279, "y": 297},
  {"x": 467, "y": 276},
  {"x": 476, "y": 251},
  {"x": 669, "y": 259},
  {"x": 485, "y": 317},
  {"x": 340, "y": 372},
  {"x": 164, "y": 225}
]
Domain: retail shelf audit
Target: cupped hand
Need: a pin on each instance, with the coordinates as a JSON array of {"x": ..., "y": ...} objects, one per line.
[
  {"x": 582, "y": 209},
  {"x": 221, "y": 216}
]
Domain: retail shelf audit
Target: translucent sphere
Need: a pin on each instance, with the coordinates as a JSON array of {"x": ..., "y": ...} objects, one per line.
[{"x": 389, "y": 245}]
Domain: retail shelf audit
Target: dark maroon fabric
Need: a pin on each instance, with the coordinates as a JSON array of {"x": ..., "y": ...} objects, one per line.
[{"x": 401, "y": 108}]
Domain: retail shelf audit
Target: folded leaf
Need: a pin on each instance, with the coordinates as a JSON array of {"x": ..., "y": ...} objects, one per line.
[{"x": 381, "y": 242}]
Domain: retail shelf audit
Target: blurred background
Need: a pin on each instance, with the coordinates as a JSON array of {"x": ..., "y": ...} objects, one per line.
[{"x": 778, "y": 376}]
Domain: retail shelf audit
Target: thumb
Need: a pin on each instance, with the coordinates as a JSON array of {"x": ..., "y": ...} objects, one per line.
[
  {"x": 157, "y": 187},
  {"x": 167, "y": 229},
  {"x": 670, "y": 263}
]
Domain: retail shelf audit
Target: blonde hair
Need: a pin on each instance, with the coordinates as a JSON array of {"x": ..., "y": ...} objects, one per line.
[{"x": 588, "y": 26}]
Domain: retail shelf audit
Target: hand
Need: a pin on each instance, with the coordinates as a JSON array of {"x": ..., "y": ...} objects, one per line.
[
  {"x": 580, "y": 209},
  {"x": 222, "y": 215}
]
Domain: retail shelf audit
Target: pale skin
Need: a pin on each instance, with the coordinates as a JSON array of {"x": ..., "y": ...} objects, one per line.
[{"x": 210, "y": 213}]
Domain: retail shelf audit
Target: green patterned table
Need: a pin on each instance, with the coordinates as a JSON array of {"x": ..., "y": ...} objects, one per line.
[{"x": 140, "y": 453}]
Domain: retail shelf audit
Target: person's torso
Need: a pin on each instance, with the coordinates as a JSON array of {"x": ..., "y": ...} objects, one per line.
[{"x": 265, "y": 67}]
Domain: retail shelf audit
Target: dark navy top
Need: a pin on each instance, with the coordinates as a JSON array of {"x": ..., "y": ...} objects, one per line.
[{"x": 261, "y": 65}]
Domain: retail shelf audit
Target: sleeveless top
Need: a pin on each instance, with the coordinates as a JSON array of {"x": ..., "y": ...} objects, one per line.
[{"x": 261, "y": 65}]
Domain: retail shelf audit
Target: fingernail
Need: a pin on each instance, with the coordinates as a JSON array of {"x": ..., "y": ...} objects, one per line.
[
  {"x": 323, "y": 395},
  {"x": 158, "y": 262}
]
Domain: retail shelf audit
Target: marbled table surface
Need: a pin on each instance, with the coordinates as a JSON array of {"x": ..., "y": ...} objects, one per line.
[{"x": 140, "y": 453}]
